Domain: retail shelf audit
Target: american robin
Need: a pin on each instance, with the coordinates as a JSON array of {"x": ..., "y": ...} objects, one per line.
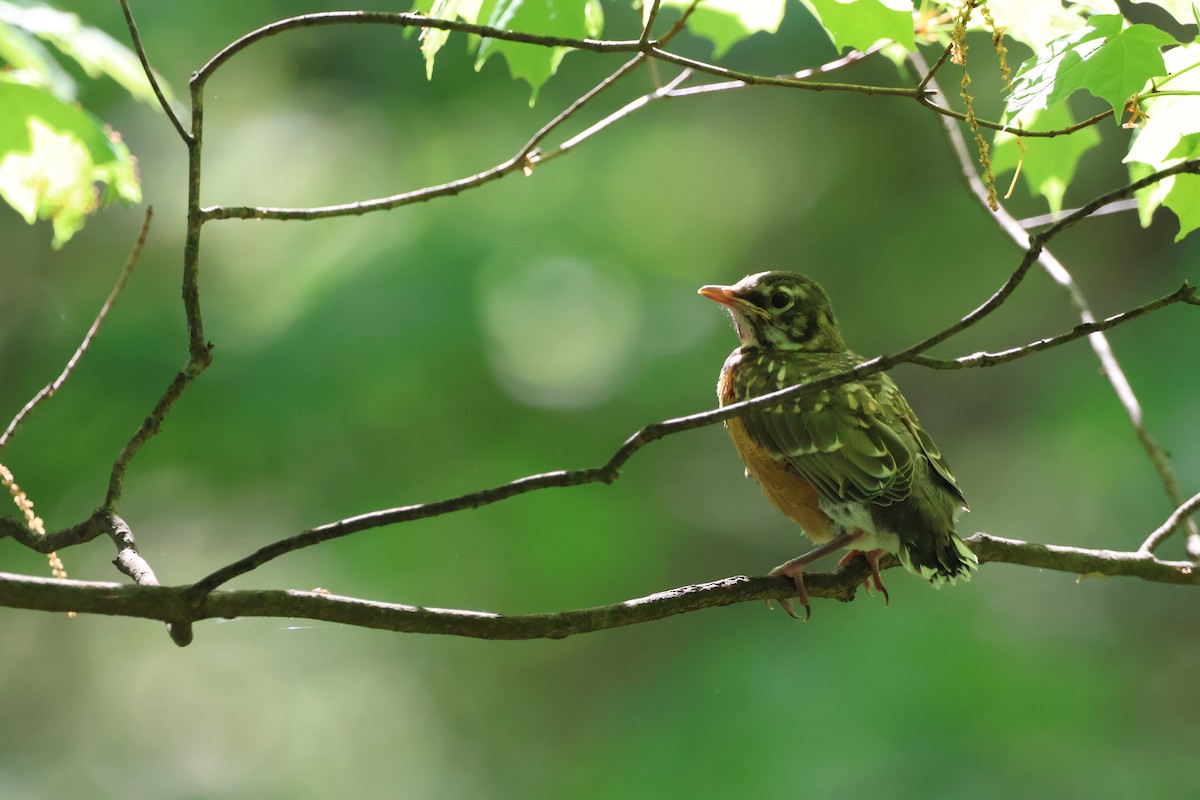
[{"x": 850, "y": 465}]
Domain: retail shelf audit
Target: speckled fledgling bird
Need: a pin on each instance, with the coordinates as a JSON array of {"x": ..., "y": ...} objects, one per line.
[{"x": 851, "y": 464}]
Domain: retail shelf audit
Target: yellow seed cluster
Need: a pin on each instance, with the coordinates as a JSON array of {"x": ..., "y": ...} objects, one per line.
[
  {"x": 958, "y": 55},
  {"x": 998, "y": 45},
  {"x": 22, "y": 501},
  {"x": 32, "y": 521}
]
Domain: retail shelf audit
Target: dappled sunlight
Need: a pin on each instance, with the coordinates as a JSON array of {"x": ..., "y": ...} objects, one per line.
[{"x": 560, "y": 332}]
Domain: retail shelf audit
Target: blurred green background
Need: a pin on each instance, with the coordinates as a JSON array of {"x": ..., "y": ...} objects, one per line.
[{"x": 532, "y": 325}]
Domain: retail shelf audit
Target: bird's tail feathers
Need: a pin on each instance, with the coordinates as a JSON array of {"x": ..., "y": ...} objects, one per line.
[{"x": 948, "y": 563}]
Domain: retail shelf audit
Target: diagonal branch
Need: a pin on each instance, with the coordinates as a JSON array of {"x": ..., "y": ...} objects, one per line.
[
  {"x": 49, "y": 389},
  {"x": 1184, "y": 294},
  {"x": 610, "y": 470},
  {"x": 158, "y": 92},
  {"x": 1180, "y": 515},
  {"x": 1108, "y": 361}
]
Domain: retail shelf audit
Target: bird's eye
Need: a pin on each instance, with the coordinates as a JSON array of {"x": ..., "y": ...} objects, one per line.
[{"x": 780, "y": 300}]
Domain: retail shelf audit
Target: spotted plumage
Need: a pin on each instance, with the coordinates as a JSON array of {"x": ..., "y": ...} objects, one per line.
[{"x": 850, "y": 464}]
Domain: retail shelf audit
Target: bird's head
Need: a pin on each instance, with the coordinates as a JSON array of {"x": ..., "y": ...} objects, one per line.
[{"x": 780, "y": 311}]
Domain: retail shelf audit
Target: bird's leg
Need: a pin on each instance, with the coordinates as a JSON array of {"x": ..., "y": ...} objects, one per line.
[
  {"x": 794, "y": 569},
  {"x": 872, "y": 557}
]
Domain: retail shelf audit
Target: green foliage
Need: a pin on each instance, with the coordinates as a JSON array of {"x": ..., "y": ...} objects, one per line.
[
  {"x": 859, "y": 24},
  {"x": 1125, "y": 66},
  {"x": 1048, "y": 164},
  {"x": 532, "y": 63},
  {"x": 95, "y": 51},
  {"x": 1169, "y": 136},
  {"x": 52, "y": 152},
  {"x": 727, "y": 22},
  {"x": 1105, "y": 58}
]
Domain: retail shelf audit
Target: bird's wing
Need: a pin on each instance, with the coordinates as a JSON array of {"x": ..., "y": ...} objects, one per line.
[
  {"x": 842, "y": 442},
  {"x": 902, "y": 411}
]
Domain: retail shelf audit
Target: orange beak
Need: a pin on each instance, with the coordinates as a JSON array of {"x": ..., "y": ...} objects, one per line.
[{"x": 721, "y": 294}]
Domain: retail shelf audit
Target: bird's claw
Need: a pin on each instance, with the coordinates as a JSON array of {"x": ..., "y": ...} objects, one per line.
[
  {"x": 797, "y": 576},
  {"x": 872, "y": 581}
]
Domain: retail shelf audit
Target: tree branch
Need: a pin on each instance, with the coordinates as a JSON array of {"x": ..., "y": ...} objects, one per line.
[
  {"x": 172, "y": 604},
  {"x": 610, "y": 470},
  {"x": 1060, "y": 275},
  {"x": 1177, "y": 518},
  {"x": 1184, "y": 294},
  {"x": 410, "y": 21},
  {"x": 158, "y": 92},
  {"x": 49, "y": 389}
]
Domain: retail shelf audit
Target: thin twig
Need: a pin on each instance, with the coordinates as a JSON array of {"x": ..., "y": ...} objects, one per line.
[
  {"x": 1016, "y": 131},
  {"x": 1028, "y": 223},
  {"x": 932, "y": 71},
  {"x": 1176, "y": 519},
  {"x": 1185, "y": 294},
  {"x": 752, "y": 79},
  {"x": 199, "y": 348},
  {"x": 651, "y": 17},
  {"x": 619, "y": 114},
  {"x": 527, "y": 155},
  {"x": 48, "y": 391},
  {"x": 838, "y": 64},
  {"x": 158, "y": 92},
  {"x": 1060, "y": 275}
]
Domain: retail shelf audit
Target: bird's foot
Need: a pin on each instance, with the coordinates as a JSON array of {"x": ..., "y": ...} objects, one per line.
[
  {"x": 874, "y": 580},
  {"x": 794, "y": 571}
]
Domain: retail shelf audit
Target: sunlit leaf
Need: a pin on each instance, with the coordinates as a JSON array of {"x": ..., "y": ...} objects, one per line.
[
  {"x": 1168, "y": 136},
  {"x": 858, "y": 24},
  {"x": 23, "y": 52},
  {"x": 1036, "y": 22},
  {"x": 53, "y": 154},
  {"x": 432, "y": 39},
  {"x": 1109, "y": 61},
  {"x": 534, "y": 63},
  {"x": 1184, "y": 200},
  {"x": 94, "y": 50},
  {"x": 1048, "y": 164},
  {"x": 727, "y": 22}
]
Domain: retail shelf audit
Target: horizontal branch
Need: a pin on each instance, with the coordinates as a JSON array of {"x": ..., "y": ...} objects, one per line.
[
  {"x": 752, "y": 79},
  {"x": 409, "y": 21},
  {"x": 176, "y": 604},
  {"x": 365, "y": 206}
]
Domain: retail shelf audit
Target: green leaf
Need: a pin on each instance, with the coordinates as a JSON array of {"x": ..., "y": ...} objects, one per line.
[
  {"x": 94, "y": 50},
  {"x": 53, "y": 154},
  {"x": 727, "y": 22},
  {"x": 1110, "y": 62},
  {"x": 1048, "y": 164},
  {"x": 1171, "y": 134},
  {"x": 534, "y": 63},
  {"x": 24, "y": 53},
  {"x": 1183, "y": 198},
  {"x": 859, "y": 24},
  {"x": 1035, "y": 22},
  {"x": 432, "y": 39}
]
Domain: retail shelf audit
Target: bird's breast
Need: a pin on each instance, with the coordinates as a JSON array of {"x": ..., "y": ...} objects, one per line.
[{"x": 791, "y": 494}]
